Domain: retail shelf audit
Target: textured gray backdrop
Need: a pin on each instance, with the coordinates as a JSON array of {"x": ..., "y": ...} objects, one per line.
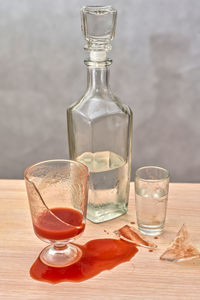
[{"x": 156, "y": 70}]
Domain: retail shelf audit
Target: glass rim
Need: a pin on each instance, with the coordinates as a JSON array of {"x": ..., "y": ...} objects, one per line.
[
  {"x": 93, "y": 8},
  {"x": 152, "y": 180},
  {"x": 78, "y": 163}
]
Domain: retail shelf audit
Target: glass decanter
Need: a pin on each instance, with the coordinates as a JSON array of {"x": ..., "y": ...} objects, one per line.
[{"x": 99, "y": 125}]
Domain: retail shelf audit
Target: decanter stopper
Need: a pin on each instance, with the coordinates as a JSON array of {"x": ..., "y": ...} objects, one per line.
[{"x": 98, "y": 26}]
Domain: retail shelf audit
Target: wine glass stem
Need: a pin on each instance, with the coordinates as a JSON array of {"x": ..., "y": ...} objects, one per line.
[{"x": 60, "y": 247}]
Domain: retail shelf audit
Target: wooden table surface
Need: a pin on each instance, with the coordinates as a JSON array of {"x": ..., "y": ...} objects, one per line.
[{"x": 144, "y": 277}]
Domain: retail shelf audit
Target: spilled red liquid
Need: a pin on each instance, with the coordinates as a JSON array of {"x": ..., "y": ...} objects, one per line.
[
  {"x": 98, "y": 255},
  {"x": 49, "y": 227}
]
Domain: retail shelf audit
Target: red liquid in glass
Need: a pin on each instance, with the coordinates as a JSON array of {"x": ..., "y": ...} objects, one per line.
[
  {"x": 97, "y": 256},
  {"x": 51, "y": 228}
]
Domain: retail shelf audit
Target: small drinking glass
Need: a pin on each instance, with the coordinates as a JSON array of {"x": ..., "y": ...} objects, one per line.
[
  {"x": 58, "y": 193},
  {"x": 151, "y": 196}
]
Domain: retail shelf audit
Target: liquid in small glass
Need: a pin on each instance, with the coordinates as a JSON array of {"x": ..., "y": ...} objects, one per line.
[{"x": 151, "y": 196}]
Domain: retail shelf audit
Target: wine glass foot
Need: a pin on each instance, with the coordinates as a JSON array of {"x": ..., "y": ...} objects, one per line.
[{"x": 59, "y": 257}]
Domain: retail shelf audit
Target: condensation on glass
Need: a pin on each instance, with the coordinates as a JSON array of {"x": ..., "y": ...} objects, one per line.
[{"x": 99, "y": 125}]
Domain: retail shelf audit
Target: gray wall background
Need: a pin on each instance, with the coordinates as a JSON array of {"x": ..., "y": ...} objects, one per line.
[{"x": 156, "y": 70}]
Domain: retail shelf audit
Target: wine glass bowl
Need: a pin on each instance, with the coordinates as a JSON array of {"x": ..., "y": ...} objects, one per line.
[{"x": 58, "y": 193}]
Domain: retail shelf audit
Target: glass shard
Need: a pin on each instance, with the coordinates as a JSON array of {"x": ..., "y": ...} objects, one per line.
[
  {"x": 181, "y": 249},
  {"x": 130, "y": 234}
]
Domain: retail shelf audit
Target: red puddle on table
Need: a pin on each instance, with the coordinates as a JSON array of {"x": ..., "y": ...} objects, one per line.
[{"x": 97, "y": 256}]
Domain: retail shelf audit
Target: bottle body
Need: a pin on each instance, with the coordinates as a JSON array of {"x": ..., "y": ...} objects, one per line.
[{"x": 100, "y": 136}]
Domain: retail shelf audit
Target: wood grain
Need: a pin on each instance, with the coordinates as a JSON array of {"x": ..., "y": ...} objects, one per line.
[{"x": 144, "y": 277}]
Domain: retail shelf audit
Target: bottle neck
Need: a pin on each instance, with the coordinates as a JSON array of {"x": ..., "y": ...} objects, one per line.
[{"x": 98, "y": 79}]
